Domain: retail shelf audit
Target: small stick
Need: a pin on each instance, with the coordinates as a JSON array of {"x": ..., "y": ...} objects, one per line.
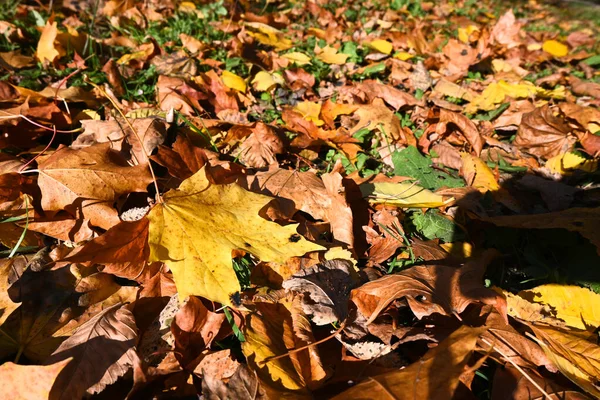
[{"x": 289, "y": 353}]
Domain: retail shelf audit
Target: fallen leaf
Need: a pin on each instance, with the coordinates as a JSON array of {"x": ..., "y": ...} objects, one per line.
[
  {"x": 381, "y": 46},
  {"x": 428, "y": 289},
  {"x": 328, "y": 286},
  {"x": 298, "y": 58},
  {"x": 263, "y": 81},
  {"x": 574, "y": 353},
  {"x": 102, "y": 351},
  {"x": 555, "y": 48},
  {"x": 90, "y": 179},
  {"x": 46, "y": 50},
  {"x": 329, "y": 55},
  {"x": 233, "y": 81},
  {"x": 29, "y": 382},
  {"x": 402, "y": 194},
  {"x": 196, "y": 242},
  {"x": 435, "y": 376},
  {"x": 544, "y": 135},
  {"x": 572, "y": 304}
]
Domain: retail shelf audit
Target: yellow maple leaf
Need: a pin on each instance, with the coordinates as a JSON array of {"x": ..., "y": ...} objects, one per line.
[
  {"x": 310, "y": 110},
  {"x": 46, "y": 49},
  {"x": 197, "y": 226},
  {"x": 297, "y": 58},
  {"x": 329, "y": 55},
  {"x": 575, "y": 305},
  {"x": 232, "y": 81},
  {"x": 402, "y": 194},
  {"x": 381, "y": 46},
  {"x": 555, "y": 48},
  {"x": 264, "y": 81}
]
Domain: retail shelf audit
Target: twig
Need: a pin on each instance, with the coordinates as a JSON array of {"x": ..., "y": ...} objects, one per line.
[
  {"x": 289, "y": 353},
  {"x": 116, "y": 106}
]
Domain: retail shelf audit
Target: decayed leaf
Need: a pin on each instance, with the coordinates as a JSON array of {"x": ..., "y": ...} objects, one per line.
[
  {"x": 509, "y": 383},
  {"x": 321, "y": 198},
  {"x": 123, "y": 251},
  {"x": 429, "y": 289},
  {"x": 271, "y": 331},
  {"x": 102, "y": 350},
  {"x": 259, "y": 149},
  {"x": 29, "y": 382},
  {"x": 402, "y": 194},
  {"x": 520, "y": 308},
  {"x": 91, "y": 178},
  {"x": 194, "y": 327},
  {"x": 197, "y": 226},
  {"x": 435, "y": 376},
  {"x": 466, "y": 126},
  {"x": 151, "y": 131},
  {"x": 543, "y": 134},
  {"x": 575, "y": 305},
  {"x": 575, "y": 354},
  {"x": 244, "y": 384},
  {"x": 328, "y": 286},
  {"x": 7, "y": 306}
]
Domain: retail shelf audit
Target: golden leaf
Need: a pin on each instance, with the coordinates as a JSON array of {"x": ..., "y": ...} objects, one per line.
[
  {"x": 232, "y": 81},
  {"x": 381, "y": 46},
  {"x": 575, "y": 305},
  {"x": 45, "y": 48},
  {"x": 310, "y": 110},
  {"x": 555, "y": 48},
  {"x": 198, "y": 225}
]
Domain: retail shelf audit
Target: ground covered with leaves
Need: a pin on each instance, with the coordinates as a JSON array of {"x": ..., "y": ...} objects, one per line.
[{"x": 299, "y": 199}]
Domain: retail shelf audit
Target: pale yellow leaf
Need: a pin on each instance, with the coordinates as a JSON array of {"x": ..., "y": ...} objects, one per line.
[
  {"x": 555, "y": 48},
  {"x": 297, "y": 58},
  {"x": 198, "y": 225},
  {"x": 232, "y": 81},
  {"x": 264, "y": 81},
  {"x": 465, "y": 32},
  {"x": 329, "y": 55},
  {"x": 402, "y": 194}
]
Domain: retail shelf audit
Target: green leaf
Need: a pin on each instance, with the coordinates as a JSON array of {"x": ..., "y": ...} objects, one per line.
[
  {"x": 409, "y": 162},
  {"x": 593, "y": 60},
  {"x": 432, "y": 225}
]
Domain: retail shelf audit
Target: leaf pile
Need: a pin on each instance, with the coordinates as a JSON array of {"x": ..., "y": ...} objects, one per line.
[{"x": 290, "y": 199}]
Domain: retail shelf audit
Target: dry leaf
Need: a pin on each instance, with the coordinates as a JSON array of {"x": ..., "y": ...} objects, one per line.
[
  {"x": 196, "y": 242},
  {"x": 29, "y": 382}
]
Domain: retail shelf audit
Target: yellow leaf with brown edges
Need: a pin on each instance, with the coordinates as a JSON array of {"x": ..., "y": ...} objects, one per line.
[
  {"x": 478, "y": 174},
  {"x": 196, "y": 227}
]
